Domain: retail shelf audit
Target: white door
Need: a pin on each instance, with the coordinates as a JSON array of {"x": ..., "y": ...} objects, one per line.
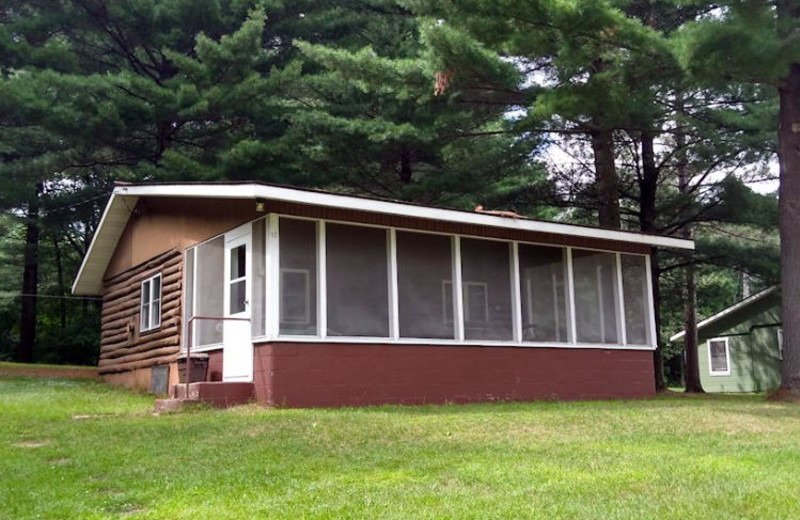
[{"x": 237, "y": 353}]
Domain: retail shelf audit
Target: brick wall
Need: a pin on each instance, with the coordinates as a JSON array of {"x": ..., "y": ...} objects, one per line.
[{"x": 308, "y": 375}]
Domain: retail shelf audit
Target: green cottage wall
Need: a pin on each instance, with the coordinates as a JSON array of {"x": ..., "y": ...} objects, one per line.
[{"x": 753, "y": 344}]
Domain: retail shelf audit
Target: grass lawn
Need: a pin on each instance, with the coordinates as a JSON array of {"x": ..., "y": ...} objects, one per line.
[{"x": 80, "y": 449}]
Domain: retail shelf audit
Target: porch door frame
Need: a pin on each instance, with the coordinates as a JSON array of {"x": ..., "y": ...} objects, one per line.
[{"x": 237, "y": 351}]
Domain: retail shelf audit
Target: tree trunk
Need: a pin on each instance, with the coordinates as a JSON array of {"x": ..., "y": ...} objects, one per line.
[
  {"x": 648, "y": 183},
  {"x": 62, "y": 302},
  {"x": 693, "y": 384},
  {"x": 789, "y": 209},
  {"x": 658, "y": 358},
  {"x": 606, "y": 176},
  {"x": 30, "y": 281}
]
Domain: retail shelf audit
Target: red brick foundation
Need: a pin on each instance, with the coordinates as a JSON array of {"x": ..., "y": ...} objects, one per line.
[{"x": 311, "y": 375}]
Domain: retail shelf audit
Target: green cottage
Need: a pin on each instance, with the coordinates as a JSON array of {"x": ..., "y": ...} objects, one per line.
[{"x": 740, "y": 348}]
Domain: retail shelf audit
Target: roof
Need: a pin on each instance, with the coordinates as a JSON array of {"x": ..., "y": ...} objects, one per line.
[
  {"x": 736, "y": 307},
  {"x": 125, "y": 196}
]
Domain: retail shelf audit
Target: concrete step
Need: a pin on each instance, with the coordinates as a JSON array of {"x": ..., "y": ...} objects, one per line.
[
  {"x": 171, "y": 405},
  {"x": 220, "y": 394}
]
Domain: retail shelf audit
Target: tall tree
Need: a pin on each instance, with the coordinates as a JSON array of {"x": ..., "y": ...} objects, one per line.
[{"x": 751, "y": 41}]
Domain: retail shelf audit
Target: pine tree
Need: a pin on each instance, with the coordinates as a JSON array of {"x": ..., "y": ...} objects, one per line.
[{"x": 756, "y": 42}]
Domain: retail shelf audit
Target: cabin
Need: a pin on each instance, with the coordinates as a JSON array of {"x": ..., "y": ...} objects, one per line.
[
  {"x": 305, "y": 298},
  {"x": 740, "y": 348}
]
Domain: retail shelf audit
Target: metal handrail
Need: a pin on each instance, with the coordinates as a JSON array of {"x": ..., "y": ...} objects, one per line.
[{"x": 189, "y": 342}]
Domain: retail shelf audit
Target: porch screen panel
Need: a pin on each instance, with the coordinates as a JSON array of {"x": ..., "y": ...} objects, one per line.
[
  {"x": 486, "y": 289},
  {"x": 595, "y": 276},
  {"x": 298, "y": 277},
  {"x": 637, "y": 304},
  {"x": 357, "y": 281},
  {"x": 258, "y": 313},
  {"x": 210, "y": 290},
  {"x": 542, "y": 275},
  {"x": 188, "y": 283},
  {"x": 424, "y": 274}
]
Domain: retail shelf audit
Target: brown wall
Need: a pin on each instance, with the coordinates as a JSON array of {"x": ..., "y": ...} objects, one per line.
[
  {"x": 310, "y": 375},
  {"x": 159, "y": 224},
  {"x": 122, "y": 346}
]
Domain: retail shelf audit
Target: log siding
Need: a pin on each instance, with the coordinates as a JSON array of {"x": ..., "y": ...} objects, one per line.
[{"x": 123, "y": 347}]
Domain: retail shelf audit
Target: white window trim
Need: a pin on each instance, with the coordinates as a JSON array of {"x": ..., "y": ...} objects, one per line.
[
  {"x": 711, "y": 370},
  {"x": 153, "y": 317}
]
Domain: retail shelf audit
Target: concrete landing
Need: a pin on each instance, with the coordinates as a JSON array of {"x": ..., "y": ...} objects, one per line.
[{"x": 219, "y": 394}]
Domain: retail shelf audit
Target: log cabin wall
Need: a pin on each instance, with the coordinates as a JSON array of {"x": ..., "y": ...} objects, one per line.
[{"x": 123, "y": 347}]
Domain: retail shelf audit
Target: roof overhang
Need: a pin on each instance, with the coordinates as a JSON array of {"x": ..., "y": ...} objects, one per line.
[
  {"x": 124, "y": 199},
  {"x": 728, "y": 311}
]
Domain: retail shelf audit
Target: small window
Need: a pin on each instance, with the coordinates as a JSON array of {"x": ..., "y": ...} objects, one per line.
[
  {"x": 476, "y": 304},
  {"x": 719, "y": 357},
  {"x": 295, "y": 290},
  {"x": 780, "y": 343},
  {"x": 151, "y": 304}
]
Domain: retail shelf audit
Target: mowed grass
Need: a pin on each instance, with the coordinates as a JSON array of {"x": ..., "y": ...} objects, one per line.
[{"x": 80, "y": 449}]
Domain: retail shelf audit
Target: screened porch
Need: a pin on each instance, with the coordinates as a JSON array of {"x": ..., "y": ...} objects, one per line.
[{"x": 312, "y": 280}]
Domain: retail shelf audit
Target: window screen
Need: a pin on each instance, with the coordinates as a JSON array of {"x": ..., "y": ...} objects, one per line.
[
  {"x": 357, "y": 281},
  {"x": 486, "y": 289},
  {"x": 637, "y": 306},
  {"x": 424, "y": 272},
  {"x": 595, "y": 276},
  {"x": 542, "y": 275},
  {"x": 258, "y": 314},
  {"x": 718, "y": 352},
  {"x": 210, "y": 266},
  {"x": 188, "y": 282},
  {"x": 298, "y": 277}
]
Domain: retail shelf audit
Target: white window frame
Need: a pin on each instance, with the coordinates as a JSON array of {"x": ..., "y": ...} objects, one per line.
[
  {"x": 306, "y": 318},
  {"x": 779, "y": 333},
  {"x": 154, "y": 318},
  {"x": 727, "y": 370}
]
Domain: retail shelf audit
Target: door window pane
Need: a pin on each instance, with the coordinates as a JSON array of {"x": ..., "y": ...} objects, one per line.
[
  {"x": 637, "y": 305},
  {"x": 486, "y": 289},
  {"x": 238, "y": 262},
  {"x": 595, "y": 276},
  {"x": 238, "y": 296},
  {"x": 425, "y": 290},
  {"x": 357, "y": 281},
  {"x": 238, "y": 282},
  {"x": 298, "y": 278},
  {"x": 543, "y": 291}
]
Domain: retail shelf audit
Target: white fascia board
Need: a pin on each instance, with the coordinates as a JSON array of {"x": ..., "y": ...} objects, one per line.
[
  {"x": 331, "y": 200},
  {"x": 89, "y": 281},
  {"x": 728, "y": 310}
]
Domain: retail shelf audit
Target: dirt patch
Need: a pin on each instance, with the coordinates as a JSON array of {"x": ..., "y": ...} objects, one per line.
[
  {"x": 32, "y": 444},
  {"x": 24, "y": 370},
  {"x": 783, "y": 396}
]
